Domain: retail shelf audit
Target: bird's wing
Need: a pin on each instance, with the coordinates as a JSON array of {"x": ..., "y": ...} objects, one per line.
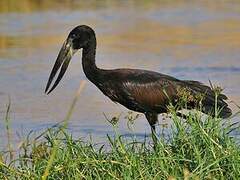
[
  {"x": 147, "y": 91},
  {"x": 143, "y": 90},
  {"x": 152, "y": 96}
]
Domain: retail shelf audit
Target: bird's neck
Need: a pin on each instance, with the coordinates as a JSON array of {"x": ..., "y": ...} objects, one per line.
[{"x": 88, "y": 61}]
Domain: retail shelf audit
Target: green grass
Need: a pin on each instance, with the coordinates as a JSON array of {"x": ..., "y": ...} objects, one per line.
[{"x": 195, "y": 149}]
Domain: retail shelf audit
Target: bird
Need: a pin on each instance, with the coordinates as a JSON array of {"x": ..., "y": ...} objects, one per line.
[{"x": 139, "y": 90}]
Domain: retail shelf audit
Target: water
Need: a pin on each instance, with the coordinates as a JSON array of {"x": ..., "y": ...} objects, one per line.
[{"x": 197, "y": 40}]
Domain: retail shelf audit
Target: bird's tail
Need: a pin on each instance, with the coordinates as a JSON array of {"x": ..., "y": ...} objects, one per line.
[{"x": 208, "y": 102}]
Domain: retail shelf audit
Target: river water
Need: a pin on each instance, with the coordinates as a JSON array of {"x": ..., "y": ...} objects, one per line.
[{"x": 197, "y": 40}]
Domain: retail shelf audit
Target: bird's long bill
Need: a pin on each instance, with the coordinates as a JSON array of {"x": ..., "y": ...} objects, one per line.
[{"x": 62, "y": 61}]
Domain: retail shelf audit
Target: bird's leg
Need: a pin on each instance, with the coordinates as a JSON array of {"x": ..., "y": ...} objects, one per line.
[{"x": 152, "y": 120}]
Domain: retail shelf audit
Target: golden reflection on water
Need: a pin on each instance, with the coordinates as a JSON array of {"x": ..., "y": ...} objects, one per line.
[
  {"x": 157, "y": 37},
  {"x": 209, "y": 34},
  {"x": 43, "y": 41}
]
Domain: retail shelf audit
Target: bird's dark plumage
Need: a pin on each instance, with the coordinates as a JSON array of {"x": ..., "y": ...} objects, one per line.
[{"x": 143, "y": 91}]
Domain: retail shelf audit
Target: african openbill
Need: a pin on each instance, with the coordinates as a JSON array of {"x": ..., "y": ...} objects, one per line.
[{"x": 139, "y": 90}]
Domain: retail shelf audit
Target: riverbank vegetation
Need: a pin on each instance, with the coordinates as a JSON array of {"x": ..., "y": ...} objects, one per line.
[{"x": 196, "y": 148}]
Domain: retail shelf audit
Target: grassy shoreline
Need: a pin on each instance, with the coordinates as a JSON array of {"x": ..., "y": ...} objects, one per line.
[{"x": 195, "y": 149}]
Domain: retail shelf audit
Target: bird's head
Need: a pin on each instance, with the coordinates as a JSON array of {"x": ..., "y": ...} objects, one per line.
[{"x": 78, "y": 38}]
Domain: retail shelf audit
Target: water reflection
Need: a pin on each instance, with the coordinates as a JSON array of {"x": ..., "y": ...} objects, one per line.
[{"x": 197, "y": 40}]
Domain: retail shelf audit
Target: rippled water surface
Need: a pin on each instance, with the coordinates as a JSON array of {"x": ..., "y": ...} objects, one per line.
[{"x": 197, "y": 40}]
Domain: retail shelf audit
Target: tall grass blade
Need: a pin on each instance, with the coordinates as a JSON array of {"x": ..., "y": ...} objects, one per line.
[
  {"x": 7, "y": 122},
  {"x": 55, "y": 144}
]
